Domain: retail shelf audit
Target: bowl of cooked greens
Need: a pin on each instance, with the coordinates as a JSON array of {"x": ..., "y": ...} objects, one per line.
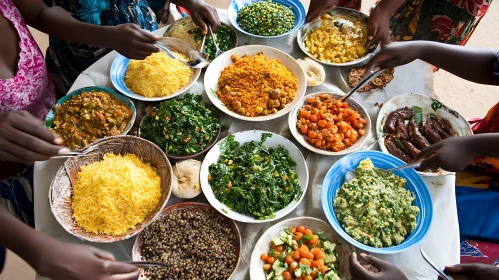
[
  {"x": 266, "y": 19},
  {"x": 183, "y": 127},
  {"x": 186, "y": 30},
  {"x": 254, "y": 176},
  {"x": 377, "y": 211}
]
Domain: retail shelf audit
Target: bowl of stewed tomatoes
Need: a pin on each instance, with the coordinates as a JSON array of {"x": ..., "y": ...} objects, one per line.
[{"x": 325, "y": 125}]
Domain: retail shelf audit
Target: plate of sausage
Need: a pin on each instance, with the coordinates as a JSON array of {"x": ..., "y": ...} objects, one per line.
[{"x": 409, "y": 123}]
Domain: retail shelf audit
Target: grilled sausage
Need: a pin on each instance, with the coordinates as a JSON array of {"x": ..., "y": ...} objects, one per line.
[
  {"x": 394, "y": 150},
  {"x": 402, "y": 129},
  {"x": 413, "y": 151},
  {"x": 429, "y": 133},
  {"x": 416, "y": 137},
  {"x": 406, "y": 113},
  {"x": 438, "y": 128},
  {"x": 446, "y": 126},
  {"x": 391, "y": 122}
]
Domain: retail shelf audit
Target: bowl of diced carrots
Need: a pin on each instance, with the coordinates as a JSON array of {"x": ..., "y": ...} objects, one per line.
[
  {"x": 302, "y": 248},
  {"x": 324, "y": 124}
]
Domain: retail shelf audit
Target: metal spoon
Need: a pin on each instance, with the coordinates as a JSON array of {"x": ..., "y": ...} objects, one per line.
[
  {"x": 425, "y": 257},
  {"x": 197, "y": 62},
  {"x": 350, "y": 175},
  {"x": 362, "y": 82},
  {"x": 148, "y": 264},
  {"x": 218, "y": 51}
]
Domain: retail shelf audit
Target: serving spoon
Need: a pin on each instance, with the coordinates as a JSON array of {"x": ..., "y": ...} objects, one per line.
[
  {"x": 440, "y": 272},
  {"x": 197, "y": 62},
  {"x": 142, "y": 264}
]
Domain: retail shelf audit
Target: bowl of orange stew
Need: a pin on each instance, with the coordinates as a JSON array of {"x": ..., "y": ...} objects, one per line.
[{"x": 325, "y": 125}]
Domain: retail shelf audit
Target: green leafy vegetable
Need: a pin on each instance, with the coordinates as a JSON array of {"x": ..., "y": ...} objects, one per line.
[
  {"x": 321, "y": 236},
  {"x": 305, "y": 269},
  {"x": 418, "y": 114},
  {"x": 253, "y": 179},
  {"x": 272, "y": 253},
  {"x": 308, "y": 237},
  {"x": 181, "y": 126}
]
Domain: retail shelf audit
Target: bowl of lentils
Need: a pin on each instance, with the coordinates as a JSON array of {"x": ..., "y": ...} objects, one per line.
[
  {"x": 183, "y": 127},
  {"x": 194, "y": 239},
  {"x": 267, "y": 18}
]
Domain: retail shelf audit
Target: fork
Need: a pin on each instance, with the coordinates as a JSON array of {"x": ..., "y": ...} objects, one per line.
[
  {"x": 218, "y": 51},
  {"x": 440, "y": 272},
  {"x": 86, "y": 151},
  {"x": 198, "y": 62}
]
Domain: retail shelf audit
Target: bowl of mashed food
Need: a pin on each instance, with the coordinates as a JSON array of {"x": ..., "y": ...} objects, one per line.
[
  {"x": 338, "y": 38},
  {"x": 377, "y": 211}
]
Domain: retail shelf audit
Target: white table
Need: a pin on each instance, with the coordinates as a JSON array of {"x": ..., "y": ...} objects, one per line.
[{"x": 442, "y": 242}]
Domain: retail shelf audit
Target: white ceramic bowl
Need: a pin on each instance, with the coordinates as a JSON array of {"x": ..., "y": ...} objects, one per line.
[
  {"x": 273, "y": 142},
  {"x": 120, "y": 67},
  {"x": 292, "y": 119},
  {"x": 218, "y": 64},
  {"x": 428, "y": 106},
  {"x": 263, "y": 245}
]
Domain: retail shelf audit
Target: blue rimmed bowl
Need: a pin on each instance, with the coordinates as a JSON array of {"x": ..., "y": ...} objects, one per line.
[
  {"x": 49, "y": 119},
  {"x": 120, "y": 66},
  {"x": 335, "y": 178},
  {"x": 296, "y": 6}
]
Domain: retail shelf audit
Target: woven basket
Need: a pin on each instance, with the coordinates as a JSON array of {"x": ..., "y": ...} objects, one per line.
[{"x": 61, "y": 188}]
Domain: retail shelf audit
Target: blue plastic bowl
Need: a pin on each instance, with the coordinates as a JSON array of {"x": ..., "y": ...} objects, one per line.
[
  {"x": 335, "y": 178},
  {"x": 49, "y": 119},
  {"x": 295, "y": 5}
]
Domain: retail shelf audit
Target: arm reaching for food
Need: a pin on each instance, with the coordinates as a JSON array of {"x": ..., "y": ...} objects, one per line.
[
  {"x": 127, "y": 39},
  {"x": 201, "y": 14},
  {"x": 57, "y": 260},
  {"x": 318, "y": 7},
  {"x": 472, "y": 64},
  {"x": 379, "y": 21},
  {"x": 454, "y": 153},
  {"x": 386, "y": 271},
  {"x": 472, "y": 271}
]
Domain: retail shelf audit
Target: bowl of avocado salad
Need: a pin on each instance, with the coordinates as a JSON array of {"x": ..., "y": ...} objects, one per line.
[
  {"x": 183, "y": 127},
  {"x": 254, "y": 176},
  {"x": 377, "y": 211}
]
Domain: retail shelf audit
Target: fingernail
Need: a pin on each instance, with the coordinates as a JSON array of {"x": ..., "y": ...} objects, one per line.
[
  {"x": 63, "y": 151},
  {"x": 370, "y": 38},
  {"x": 375, "y": 69},
  {"x": 58, "y": 140},
  {"x": 363, "y": 255},
  {"x": 157, "y": 37}
]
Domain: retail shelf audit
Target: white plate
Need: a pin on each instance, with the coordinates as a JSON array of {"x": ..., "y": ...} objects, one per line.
[
  {"x": 292, "y": 119},
  {"x": 218, "y": 65},
  {"x": 264, "y": 243},
  {"x": 428, "y": 106},
  {"x": 272, "y": 142}
]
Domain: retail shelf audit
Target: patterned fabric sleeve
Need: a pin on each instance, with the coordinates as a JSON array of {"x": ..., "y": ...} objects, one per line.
[{"x": 495, "y": 73}]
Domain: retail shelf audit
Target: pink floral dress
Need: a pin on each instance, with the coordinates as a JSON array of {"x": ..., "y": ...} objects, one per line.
[{"x": 30, "y": 89}]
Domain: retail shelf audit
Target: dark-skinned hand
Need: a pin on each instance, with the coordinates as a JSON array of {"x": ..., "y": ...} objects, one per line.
[{"x": 386, "y": 271}]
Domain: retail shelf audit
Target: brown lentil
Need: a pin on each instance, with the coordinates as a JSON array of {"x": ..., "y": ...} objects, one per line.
[{"x": 197, "y": 244}]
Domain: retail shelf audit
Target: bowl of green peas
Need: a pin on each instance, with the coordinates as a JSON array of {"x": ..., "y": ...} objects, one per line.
[{"x": 266, "y": 18}]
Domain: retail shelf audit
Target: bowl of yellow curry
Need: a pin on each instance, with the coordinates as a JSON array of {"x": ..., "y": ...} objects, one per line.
[
  {"x": 338, "y": 38},
  {"x": 255, "y": 83},
  {"x": 158, "y": 77}
]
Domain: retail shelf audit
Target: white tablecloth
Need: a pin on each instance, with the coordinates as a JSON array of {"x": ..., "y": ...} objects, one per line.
[{"x": 442, "y": 242}]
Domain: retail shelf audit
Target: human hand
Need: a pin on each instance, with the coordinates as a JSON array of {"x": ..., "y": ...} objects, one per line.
[
  {"x": 24, "y": 139},
  {"x": 318, "y": 7},
  {"x": 378, "y": 27},
  {"x": 386, "y": 271},
  {"x": 202, "y": 12},
  {"x": 394, "y": 54},
  {"x": 63, "y": 261},
  {"x": 131, "y": 41},
  {"x": 451, "y": 154},
  {"x": 472, "y": 271}
]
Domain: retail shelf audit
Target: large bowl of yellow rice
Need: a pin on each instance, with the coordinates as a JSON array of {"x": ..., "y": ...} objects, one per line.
[
  {"x": 338, "y": 38},
  {"x": 158, "y": 77},
  {"x": 112, "y": 193}
]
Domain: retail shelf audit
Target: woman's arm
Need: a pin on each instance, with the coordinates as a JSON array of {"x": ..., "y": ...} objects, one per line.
[
  {"x": 127, "y": 39},
  {"x": 58, "y": 260},
  {"x": 472, "y": 64}
]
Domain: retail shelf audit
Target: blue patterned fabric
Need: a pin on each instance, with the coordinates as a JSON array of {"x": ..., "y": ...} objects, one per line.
[{"x": 68, "y": 60}]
